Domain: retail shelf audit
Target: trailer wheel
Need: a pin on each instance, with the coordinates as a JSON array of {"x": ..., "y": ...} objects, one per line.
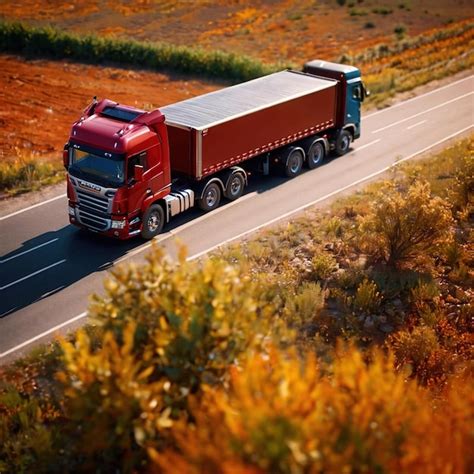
[
  {"x": 211, "y": 197},
  {"x": 235, "y": 187},
  {"x": 294, "y": 162},
  {"x": 315, "y": 155},
  {"x": 153, "y": 221},
  {"x": 343, "y": 142}
]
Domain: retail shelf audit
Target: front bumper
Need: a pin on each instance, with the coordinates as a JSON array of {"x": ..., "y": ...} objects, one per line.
[{"x": 122, "y": 234}]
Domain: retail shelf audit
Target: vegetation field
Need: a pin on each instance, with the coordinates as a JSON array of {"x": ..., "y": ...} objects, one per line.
[
  {"x": 276, "y": 31},
  {"x": 341, "y": 341}
]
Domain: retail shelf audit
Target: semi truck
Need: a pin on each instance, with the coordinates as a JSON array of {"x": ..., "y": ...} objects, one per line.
[{"x": 129, "y": 171}]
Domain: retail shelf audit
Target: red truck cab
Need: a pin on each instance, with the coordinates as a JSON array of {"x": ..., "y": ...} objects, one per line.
[{"x": 115, "y": 156}]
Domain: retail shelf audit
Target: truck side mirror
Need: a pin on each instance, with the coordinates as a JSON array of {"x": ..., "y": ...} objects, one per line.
[
  {"x": 66, "y": 156},
  {"x": 365, "y": 91},
  {"x": 138, "y": 173}
]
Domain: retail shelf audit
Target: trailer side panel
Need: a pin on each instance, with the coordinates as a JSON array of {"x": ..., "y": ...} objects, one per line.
[
  {"x": 211, "y": 132},
  {"x": 237, "y": 140}
]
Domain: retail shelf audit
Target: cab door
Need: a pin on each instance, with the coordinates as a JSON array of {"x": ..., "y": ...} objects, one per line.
[
  {"x": 137, "y": 190},
  {"x": 354, "y": 98}
]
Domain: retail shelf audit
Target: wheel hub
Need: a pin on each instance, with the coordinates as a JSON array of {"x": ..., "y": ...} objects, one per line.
[
  {"x": 294, "y": 164},
  {"x": 235, "y": 186},
  {"x": 153, "y": 222},
  {"x": 211, "y": 197}
]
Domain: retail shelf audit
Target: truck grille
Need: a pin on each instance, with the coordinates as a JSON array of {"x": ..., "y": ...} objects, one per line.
[
  {"x": 93, "y": 202},
  {"x": 93, "y": 210}
]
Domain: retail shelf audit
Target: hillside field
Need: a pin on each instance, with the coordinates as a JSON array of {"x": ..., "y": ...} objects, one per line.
[{"x": 273, "y": 31}]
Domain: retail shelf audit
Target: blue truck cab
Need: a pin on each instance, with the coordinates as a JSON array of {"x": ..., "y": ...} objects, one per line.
[{"x": 351, "y": 92}]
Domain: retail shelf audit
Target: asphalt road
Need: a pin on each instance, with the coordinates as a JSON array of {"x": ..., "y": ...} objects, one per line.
[{"x": 49, "y": 268}]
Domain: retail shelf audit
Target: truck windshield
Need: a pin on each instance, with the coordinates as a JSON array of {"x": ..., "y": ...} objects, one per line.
[{"x": 109, "y": 171}]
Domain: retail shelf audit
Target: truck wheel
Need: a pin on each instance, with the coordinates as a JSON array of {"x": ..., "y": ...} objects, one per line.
[
  {"x": 315, "y": 155},
  {"x": 211, "y": 197},
  {"x": 235, "y": 187},
  {"x": 343, "y": 142},
  {"x": 294, "y": 162},
  {"x": 153, "y": 221}
]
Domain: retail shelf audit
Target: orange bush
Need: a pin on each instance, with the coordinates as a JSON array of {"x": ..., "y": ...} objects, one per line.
[{"x": 283, "y": 414}]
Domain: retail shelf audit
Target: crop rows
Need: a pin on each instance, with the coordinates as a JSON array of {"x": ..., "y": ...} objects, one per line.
[{"x": 388, "y": 69}]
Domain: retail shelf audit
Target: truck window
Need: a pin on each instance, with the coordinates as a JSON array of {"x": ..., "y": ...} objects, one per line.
[
  {"x": 357, "y": 92},
  {"x": 140, "y": 159}
]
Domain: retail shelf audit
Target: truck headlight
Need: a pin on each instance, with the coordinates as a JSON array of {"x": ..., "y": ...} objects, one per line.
[
  {"x": 71, "y": 211},
  {"x": 118, "y": 224}
]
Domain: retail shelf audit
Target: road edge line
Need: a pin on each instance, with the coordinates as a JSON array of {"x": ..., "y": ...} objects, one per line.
[
  {"x": 399, "y": 104},
  {"x": 45, "y": 333},
  {"x": 32, "y": 207}
]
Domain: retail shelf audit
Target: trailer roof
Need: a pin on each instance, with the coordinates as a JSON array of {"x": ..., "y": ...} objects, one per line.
[{"x": 220, "y": 106}]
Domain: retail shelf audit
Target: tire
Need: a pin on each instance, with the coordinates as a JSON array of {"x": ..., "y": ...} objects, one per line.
[
  {"x": 343, "y": 142},
  {"x": 235, "y": 187},
  {"x": 211, "y": 197},
  {"x": 294, "y": 162},
  {"x": 153, "y": 221},
  {"x": 315, "y": 155}
]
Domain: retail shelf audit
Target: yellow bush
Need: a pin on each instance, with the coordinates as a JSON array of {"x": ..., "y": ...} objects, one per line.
[
  {"x": 168, "y": 329},
  {"x": 282, "y": 414},
  {"x": 405, "y": 224}
]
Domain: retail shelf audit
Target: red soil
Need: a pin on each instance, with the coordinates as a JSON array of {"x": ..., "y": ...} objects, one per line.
[{"x": 39, "y": 100}]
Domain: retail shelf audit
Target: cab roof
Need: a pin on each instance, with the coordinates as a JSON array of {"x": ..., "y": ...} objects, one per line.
[{"x": 350, "y": 72}]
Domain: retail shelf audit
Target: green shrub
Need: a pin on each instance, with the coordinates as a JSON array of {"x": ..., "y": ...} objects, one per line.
[
  {"x": 423, "y": 292},
  {"x": 303, "y": 307},
  {"x": 382, "y": 11},
  {"x": 358, "y": 12},
  {"x": 400, "y": 31},
  {"x": 50, "y": 42},
  {"x": 367, "y": 298},
  {"x": 323, "y": 266}
]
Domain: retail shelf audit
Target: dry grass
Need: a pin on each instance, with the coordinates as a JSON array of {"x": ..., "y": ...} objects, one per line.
[{"x": 24, "y": 173}]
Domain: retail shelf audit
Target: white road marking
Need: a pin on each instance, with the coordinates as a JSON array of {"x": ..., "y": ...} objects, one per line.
[
  {"x": 327, "y": 196},
  {"x": 32, "y": 274},
  {"x": 32, "y": 207},
  {"x": 364, "y": 117},
  {"x": 28, "y": 251},
  {"x": 366, "y": 145},
  {"x": 399, "y": 104},
  {"x": 45, "y": 333},
  {"x": 423, "y": 112},
  {"x": 176, "y": 231},
  {"x": 8, "y": 312},
  {"x": 213, "y": 213},
  {"x": 142, "y": 248},
  {"x": 416, "y": 124}
]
